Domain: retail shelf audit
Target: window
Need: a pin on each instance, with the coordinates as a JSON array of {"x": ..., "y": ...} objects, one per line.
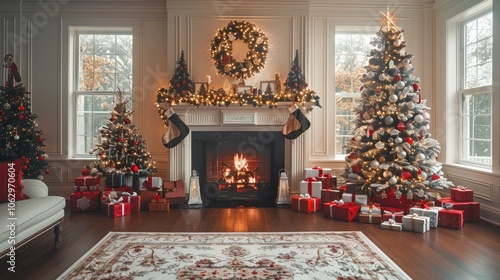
[
  {"x": 351, "y": 56},
  {"x": 103, "y": 65},
  {"x": 476, "y": 90}
]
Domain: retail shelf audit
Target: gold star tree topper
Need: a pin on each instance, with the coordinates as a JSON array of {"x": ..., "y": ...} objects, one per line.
[{"x": 388, "y": 20}]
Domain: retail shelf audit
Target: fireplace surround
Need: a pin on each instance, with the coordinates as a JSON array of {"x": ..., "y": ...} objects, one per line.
[{"x": 232, "y": 122}]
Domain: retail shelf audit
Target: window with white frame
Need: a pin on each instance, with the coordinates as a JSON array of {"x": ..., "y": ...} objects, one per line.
[
  {"x": 351, "y": 56},
  {"x": 476, "y": 89},
  {"x": 103, "y": 65}
]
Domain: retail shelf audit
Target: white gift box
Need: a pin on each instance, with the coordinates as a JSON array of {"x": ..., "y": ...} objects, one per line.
[
  {"x": 358, "y": 199},
  {"x": 416, "y": 223},
  {"x": 316, "y": 172},
  {"x": 432, "y": 213},
  {"x": 391, "y": 225},
  {"x": 311, "y": 186}
]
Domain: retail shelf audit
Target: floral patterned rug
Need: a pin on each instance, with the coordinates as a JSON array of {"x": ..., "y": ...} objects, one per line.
[{"x": 262, "y": 255}]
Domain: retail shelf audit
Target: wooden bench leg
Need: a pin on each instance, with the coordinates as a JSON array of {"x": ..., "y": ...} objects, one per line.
[{"x": 57, "y": 232}]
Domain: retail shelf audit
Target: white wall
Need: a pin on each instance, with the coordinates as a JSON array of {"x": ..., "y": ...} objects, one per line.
[{"x": 165, "y": 28}]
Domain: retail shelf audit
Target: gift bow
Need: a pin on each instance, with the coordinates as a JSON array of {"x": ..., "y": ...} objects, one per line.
[
  {"x": 425, "y": 204},
  {"x": 461, "y": 187},
  {"x": 128, "y": 194},
  {"x": 113, "y": 201},
  {"x": 391, "y": 221},
  {"x": 395, "y": 213},
  {"x": 339, "y": 202},
  {"x": 305, "y": 195},
  {"x": 414, "y": 216}
]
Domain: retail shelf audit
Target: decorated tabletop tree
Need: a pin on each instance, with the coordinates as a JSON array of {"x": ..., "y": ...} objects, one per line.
[
  {"x": 19, "y": 136},
  {"x": 122, "y": 149},
  {"x": 392, "y": 150},
  {"x": 181, "y": 85}
]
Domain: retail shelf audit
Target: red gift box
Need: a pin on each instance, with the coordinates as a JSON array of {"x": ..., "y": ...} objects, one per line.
[
  {"x": 115, "y": 209},
  {"x": 461, "y": 193},
  {"x": 85, "y": 201},
  {"x": 396, "y": 215},
  {"x": 451, "y": 218},
  {"x": 175, "y": 191},
  {"x": 388, "y": 198},
  {"x": 345, "y": 211},
  {"x": 135, "y": 202},
  {"x": 328, "y": 181},
  {"x": 88, "y": 181},
  {"x": 85, "y": 188},
  {"x": 471, "y": 208},
  {"x": 306, "y": 204},
  {"x": 146, "y": 196},
  {"x": 328, "y": 195}
]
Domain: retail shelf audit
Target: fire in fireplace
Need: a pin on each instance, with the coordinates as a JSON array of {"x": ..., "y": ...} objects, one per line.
[{"x": 238, "y": 168}]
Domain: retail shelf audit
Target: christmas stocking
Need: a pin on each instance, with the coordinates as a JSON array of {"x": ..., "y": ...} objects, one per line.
[
  {"x": 177, "y": 130},
  {"x": 297, "y": 123}
]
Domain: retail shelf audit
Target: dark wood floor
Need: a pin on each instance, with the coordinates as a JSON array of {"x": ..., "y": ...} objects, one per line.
[{"x": 470, "y": 253}]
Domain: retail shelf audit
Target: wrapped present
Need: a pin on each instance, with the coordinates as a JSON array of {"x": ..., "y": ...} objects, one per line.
[
  {"x": 88, "y": 181},
  {"x": 461, "y": 193},
  {"x": 390, "y": 199},
  {"x": 86, "y": 201},
  {"x": 396, "y": 216},
  {"x": 118, "y": 190},
  {"x": 424, "y": 204},
  {"x": 391, "y": 225},
  {"x": 306, "y": 204},
  {"x": 115, "y": 208},
  {"x": 316, "y": 172},
  {"x": 416, "y": 223},
  {"x": 331, "y": 194},
  {"x": 471, "y": 208},
  {"x": 146, "y": 196},
  {"x": 372, "y": 208},
  {"x": 159, "y": 205},
  {"x": 85, "y": 188},
  {"x": 175, "y": 192},
  {"x": 451, "y": 218},
  {"x": 134, "y": 200},
  {"x": 340, "y": 210},
  {"x": 357, "y": 198},
  {"x": 353, "y": 188},
  {"x": 311, "y": 186},
  {"x": 431, "y": 212},
  {"x": 370, "y": 218},
  {"x": 328, "y": 181},
  {"x": 116, "y": 180}
]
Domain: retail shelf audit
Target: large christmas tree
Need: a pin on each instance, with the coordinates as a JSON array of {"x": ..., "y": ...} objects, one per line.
[
  {"x": 122, "y": 149},
  {"x": 392, "y": 150},
  {"x": 19, "y": 136}
]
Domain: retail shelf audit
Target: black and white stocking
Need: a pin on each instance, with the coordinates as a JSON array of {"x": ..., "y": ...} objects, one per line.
[
  {"x": 177, "y": 130},
  {"x": 296, "y": 124}
]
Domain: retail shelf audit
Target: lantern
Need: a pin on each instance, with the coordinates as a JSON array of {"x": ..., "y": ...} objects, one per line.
[
  {"x": 283, "y": 197},
  {"x": 194, "y": 189}
]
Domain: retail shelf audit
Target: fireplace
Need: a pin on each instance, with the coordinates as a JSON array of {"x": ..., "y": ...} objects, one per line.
[
  {"x": 232, "y": 122},
  {"x": 237, "y": 168}
]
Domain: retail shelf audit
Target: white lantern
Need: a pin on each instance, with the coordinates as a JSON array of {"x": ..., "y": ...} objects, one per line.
[
  {"x": 194, "y": 190},
  {"x": 283, "y": 198}
]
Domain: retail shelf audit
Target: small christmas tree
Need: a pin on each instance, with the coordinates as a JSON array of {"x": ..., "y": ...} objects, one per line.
[
  {"x": 295, "y": 81},
  {"x": 181, "y": 82},
  {"x": 19, "y": 136},
  {"x": 391, "y": 150},
  {"x": 122, "y": 149}
]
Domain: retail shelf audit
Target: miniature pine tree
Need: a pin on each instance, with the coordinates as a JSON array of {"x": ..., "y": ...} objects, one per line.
[
  {"x": 122, "y": 149},
  {"x": 20, "y": 137},
  {"x": 181, "y": 83},
  {"x": 391, "y": 150},
  {"x": 295, "y": 81}
]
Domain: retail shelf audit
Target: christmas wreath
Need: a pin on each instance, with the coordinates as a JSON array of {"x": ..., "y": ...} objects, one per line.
[{"x": 222, "y": 47}]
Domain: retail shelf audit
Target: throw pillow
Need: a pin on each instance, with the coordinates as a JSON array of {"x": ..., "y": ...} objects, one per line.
[{"x": 11, "y": 175}]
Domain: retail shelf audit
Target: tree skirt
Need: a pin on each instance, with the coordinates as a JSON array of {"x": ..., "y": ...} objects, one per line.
[{"x": 262, "y": 255}]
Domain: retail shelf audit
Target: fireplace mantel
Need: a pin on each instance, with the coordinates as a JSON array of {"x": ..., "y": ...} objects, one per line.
[{"x": 236, "y": 118}]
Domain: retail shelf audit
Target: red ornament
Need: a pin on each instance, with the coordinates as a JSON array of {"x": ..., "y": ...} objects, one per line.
[
  {"x": 356, "y": 168},
  {"x": 181, "y": 68},
  {"x": 183, "y": 82},
  {"x": 127, "y": 121},
  {"x": 419, "y": 172},
  {"x": 40, "y": 139},
  {"x": 21, "y": 108},
  {"x": 47, "y": 171},
  {"x": 361, "y": 88},
  {"x": 134, "y": 168},
  {"x": 370, "y": 130},
  {"x": 120, "y": 139},
  {"x": 21, "y": 116},
  {"x": 401, "y": 126},
  {"x": 409, "y": 140},
  {"x": 85, "y": 172},
  {"x": 435, "y": 177},
  {"x": 353, "y": 156},
  {"x": 112, "y": 119},
  {"x": 178, "y": 85},
  {"x": 295, "y": 84},
  {"x": 396, "y": 78},
  {"x": 378, "y": 90},
  {"x": 406, "y": 175},
  {"x": 136, "y": 143},
  {"x": 415, "y": 87},
  {"x": 41, "y": 158}
]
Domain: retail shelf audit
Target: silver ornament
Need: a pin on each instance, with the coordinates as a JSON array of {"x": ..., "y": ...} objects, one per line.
[
  {"x": 400, "y": 84},
  {"x": 420, "y": 157},
  {"x": 398, "y": 140},
  {"x": 381, "y": 77},
  {"x": 419, "y": 118},
  {"x": 393, "y": 180},
  {"x": 374, "y": 164},
  {"x": 388, "y": 120},
  {"x": 387, "y": 174},
  {"x": 393, "y": 98},
  {"x": 379, "y": 145},
  {"x": 402, "y": 155},
  {"x": 396, "y": 43},
  {"x": 6, "y": 106}
]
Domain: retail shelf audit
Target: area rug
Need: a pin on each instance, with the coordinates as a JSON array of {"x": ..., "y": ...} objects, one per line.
[{"x": 262, "y": 255}]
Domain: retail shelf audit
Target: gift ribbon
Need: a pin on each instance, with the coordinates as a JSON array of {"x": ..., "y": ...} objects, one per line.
[
  {"x": 320, "y": 170},
  {"x": 306, "y": 196},
  {"x": 461, "y": 187},
  {"x": 393, "y": 214},
  {"x": 310, "y": 181},
  {"x": 424, "y": 204}
]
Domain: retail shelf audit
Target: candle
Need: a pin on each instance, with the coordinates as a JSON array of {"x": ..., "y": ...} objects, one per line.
[{"x": 209, "y": 80}]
